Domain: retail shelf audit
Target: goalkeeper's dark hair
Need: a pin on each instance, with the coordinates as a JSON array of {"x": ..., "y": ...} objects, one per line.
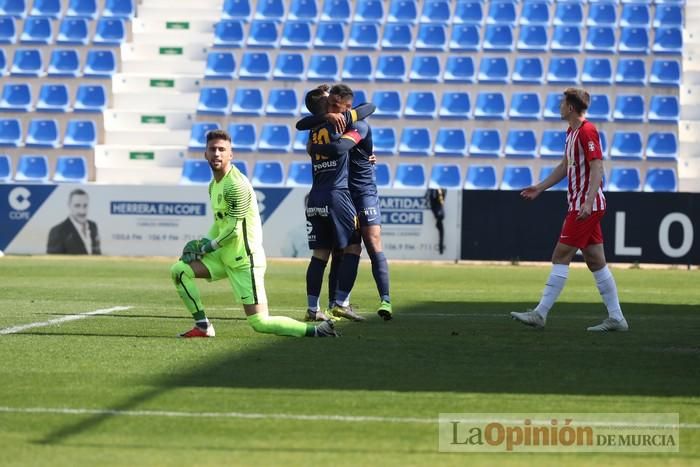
[
  {"x": 578, "y": 98},
  {"x": 314, "y": 99},
  {"x": 218, "y": 134},
  {"x": 342, "y": 90}
]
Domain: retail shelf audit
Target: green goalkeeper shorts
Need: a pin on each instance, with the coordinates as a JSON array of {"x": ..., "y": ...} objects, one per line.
[{"x": 245, "y": 274}]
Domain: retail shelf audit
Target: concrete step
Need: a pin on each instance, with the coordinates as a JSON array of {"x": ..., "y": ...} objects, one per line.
[
  {"x": 153, "y": 137},
  {"x": 173, "y": 36},
  {"x": 173, "y": 25},
  {"x": 147, "y": 12},
  {"x": 167, "y": 4},
  {"x": 155, "y": 83},
  {"x": 165, "y": 65},
  {"x": 689, "y": 150},
  {"x": 148, "y": 120},
  {"x": 136, "y": 157},
  {"x": 689, "y": 131},
  {"x": 165, "y": 50},
  {"x": 146, "y": 102},
  {"x": 138, "y": 176}
]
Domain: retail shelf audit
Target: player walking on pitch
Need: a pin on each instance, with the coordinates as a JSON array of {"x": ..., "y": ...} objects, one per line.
[
  {"x": 583, "y": 164},
  {"x": 233, "y": 249}
]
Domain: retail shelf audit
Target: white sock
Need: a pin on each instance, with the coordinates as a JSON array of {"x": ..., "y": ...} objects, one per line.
[
  {"x": 554, "y": 286},
  {"x": 608, "y": 290}
]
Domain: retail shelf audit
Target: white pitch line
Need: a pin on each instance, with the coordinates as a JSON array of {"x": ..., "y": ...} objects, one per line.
[
  {"x": 286, "y": 416},
  {"x": 63, "y": 319}
]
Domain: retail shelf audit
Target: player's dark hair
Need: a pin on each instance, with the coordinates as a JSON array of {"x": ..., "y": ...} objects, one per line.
[
  {"x": 218, "y": 134},
  {"x": 342, "y": 90},
  {"x": 314, "y": 99},
  {"x": 578, "y": 98},
  {"x": 76, "y": 192}
]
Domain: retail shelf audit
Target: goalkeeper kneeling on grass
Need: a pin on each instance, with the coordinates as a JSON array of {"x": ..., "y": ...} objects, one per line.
[{"x": 233, "y": 250}]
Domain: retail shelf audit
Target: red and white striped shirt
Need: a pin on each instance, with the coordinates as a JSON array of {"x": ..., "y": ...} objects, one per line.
[{"x": 582, "y": 146}]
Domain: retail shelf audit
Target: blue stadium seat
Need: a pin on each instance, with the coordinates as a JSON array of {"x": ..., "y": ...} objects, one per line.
[
  {"x": 562, "y": 70},
  {"x": 364, "y": 36},
  {"x": 3, "y": 63},
  {"x": 330, "y": 36},
  {"x": 445, "y": 176},
  {"x": 262, "y": 34},
  {"x": 300, "y": 174},
  {"x": 624, "y": 179},
  {"x": 516, "y": 177},
  {"x": 403, "y": 11},
  {"x": 382, "y": 175},
  {"x": 568, "y": 14},
  {"x": 64, "y": 62},
  {"x": 425, "y": 68},
  {"x": 119, "y": 8},
  {"x": 357, "y": 68},
  {"x": 600, "y": 39},
  {"x": 37, "y": 30},
  {"x": 603, "y": 143},
  {"x": 451, "y": 142},
  {"x": 493, "y": 70},
  {"x": 630, "y": 71},
  {"x": 90, "y": 98},
  {"x": 53, "y": 98},
  {"x": 552, "y": 144},
  {"x": 390, "y": 68},
  {"x": 485, "y": 143},
  {"x": 468, "y": 12},
  {"x": 596, "y": 71},
  {"x": 664, "y": 109},
  {"x": 410, "y": 176},
  {"x": 198, "y": 135},
  {"x": 384, "y": 139},
  {"x": 323, "y": 68},
  {"x": 501, "y": 12},
  {"x": 668, "y": 40},
  {"x": 8, "y": 30},
  {"x": 459, "y": 69},
  {"x": 268, "y": 173},
  {"x": 660, "y": 179},
  {"x": 626, "y": 145},
  {"x": 521, "y": 144},
  {"x": 415, "y": 142},
  {"x": 465, "y": 38},
  {"x": 662, "y": 146},
  {"x": 5, "y": 168},
  {"x": 431, "y": 37},
  {"x": 247, "y": 101},
  {"x": 275, "y": 138},
  {"x": 388, "y": 104},
  {"x": 300, "y": 140},
  {"x": 213, "y": 101},
  {"x": 397, "y": 36},
  {"x": 668, "y": 15},
  {"x": 533, "y": 37},
  {"x": 46, "y": 8},
  {"x": 665, "y": 73},
  {"x": 635, "y": 15},
  {"x": 336, "y": 10},
  {"x": 420, "y": 104},
  {"x": 566, "y": 39},
  {"x": 255, "y": 65},
  {"x": 10, "y": 132},
  {"x": 82, "y": 8},
  {"x": 599, "y": 110},
  {"x": 528, "y": 70},
  {"x": 289, "y": 66},
  {"x": 228, "y": 33},
  {"x": 27, "y": 62},
  {"x": 220, "y": 65},
  {"x": 237, "y": 9},
  {"x": 195, "y": 172},
  {"x": 296, "y": 35},
  {"x": 73, "y": 31},
  {"x": 42, "y": 134},
  {"x": 535, "y": 12},
  {"x": 498, "y": 38},
  {"x": 243, "y": 137},
  {"x": 99, "y": 63},
  {"x": 490, "y": 106},
  {"x": 629, "y": 108},
  {"x": 562, "y": 185},
  {"x": 634, "y": 41},
  {"x": 16, "y": 8},
  {"x": 481, "y": 177},
  {"x": 455, "y": 104},
  {"x": 270, "y": 10},
  {"x": 602, "y": 14},
  {"x": 436, "y": 11},
  {"x": 369, "y": 11},
  {"x": 359, "y": 96},
  {"x": 242, "y": 167},
  {"x": 80, "y": 134},
  {"x": 70, "y": 169},
  {"x": 525, "y": 106},
  {"x": 551, "y": 106},
  {"x": 282, "y": 103},
  {"x": 303, "y": 10},
  {"x": 109, "y": 31},
  {"x": 16, "y": 97},
  {"x": 32, "y": 168}
]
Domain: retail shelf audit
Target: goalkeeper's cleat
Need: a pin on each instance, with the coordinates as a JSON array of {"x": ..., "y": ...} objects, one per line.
[
  {"x": 384, "y": 310},
  {"x": 312, "y": 315},
  {"x": 609, "y": 325},
  {"x": 340, "y": 311},
  {"x": 529, "y": 318},
  {"x": 326, "y": 329},
  {"x": 199, "y": 332}
]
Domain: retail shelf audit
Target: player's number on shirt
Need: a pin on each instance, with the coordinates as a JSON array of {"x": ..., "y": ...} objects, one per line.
[{"x": 321, "y": 137}]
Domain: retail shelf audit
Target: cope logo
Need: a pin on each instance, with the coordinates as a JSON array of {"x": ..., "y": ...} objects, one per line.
[{"x": 19, "y": 203}]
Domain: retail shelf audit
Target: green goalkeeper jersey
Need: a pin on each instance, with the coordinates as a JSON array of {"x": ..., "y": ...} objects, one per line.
[{"x": 237, "y": 227}]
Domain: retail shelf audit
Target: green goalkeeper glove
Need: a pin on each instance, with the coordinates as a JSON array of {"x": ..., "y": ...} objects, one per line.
[
  {"x": 189, "y": 257},
  {"x": 207, "y": 246}
]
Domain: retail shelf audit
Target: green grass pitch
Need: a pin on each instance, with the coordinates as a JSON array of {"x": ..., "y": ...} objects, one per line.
[{"x": 451, "y": 348}]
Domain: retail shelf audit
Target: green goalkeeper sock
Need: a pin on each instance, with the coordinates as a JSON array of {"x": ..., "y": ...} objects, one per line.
[
  {"x": 280, "y": 325},
  {"x": 183, "y": 278}
]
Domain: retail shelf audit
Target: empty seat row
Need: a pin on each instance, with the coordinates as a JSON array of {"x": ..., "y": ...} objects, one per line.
[
  {"x": 35, "y": 168},
  {"x": 55, "y": 97},
  {"x": 40, "y": 30},
  {"x": 61, "y": 63},
  {"x": 45, "y": 133},
  {"x": 74, "y": 8}
]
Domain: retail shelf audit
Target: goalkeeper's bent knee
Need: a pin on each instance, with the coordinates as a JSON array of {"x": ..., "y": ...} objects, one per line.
[{"x": 180, "y": 268}]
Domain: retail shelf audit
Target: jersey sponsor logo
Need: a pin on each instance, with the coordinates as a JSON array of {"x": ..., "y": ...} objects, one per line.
[
  {"x": 591, "y": 146},
  {"x": 317, "y": 211},
  {"x": 326, "y": 165}
]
